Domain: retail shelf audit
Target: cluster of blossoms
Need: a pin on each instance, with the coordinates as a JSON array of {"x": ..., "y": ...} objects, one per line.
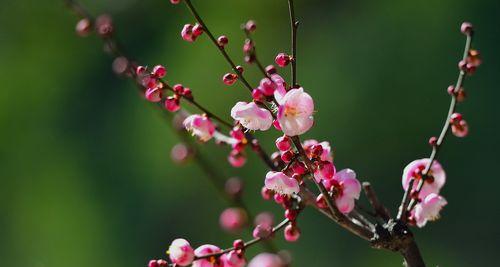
[
  {"x": 289, "y": 109},
  {"x": 182, "y": 254},
  {"x": 430, "y": 202}
]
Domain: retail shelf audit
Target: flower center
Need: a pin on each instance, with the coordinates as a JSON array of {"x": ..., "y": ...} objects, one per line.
[{"x": 291, "y": 111}]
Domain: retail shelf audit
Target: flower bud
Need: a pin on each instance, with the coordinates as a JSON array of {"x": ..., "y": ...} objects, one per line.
[
  {"x": 292, "y": 233},
  {"x": 83, "y": 27},
  {"x": 159, "y": 71},
  {"x": 229, "y": 78},
  {"x": 466, "y": 28},
  {"x": 222, "y": 41},
  {"x": 282, "y": 59},
  {"x": 250, "y": 26}
]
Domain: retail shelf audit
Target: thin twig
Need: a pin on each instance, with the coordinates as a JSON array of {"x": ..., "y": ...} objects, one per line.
[
  {"x": 220, "y": 48},
  {"x": 294, "y": 24},
  {"x": 201, "y": 161},
  {"x": 380, "y": 210},
  {"x": 407, "y": 206},
  {"x": 254, "y": 53}
]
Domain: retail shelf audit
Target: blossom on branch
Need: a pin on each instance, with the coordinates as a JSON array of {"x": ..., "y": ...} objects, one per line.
[
  {"x": 251, "y": 116},
  {"x": 435, "y": 180},
  {"x": 201, "y": 126},
  {"x": 428, "y": 209},
  {"x": 295, "y": 112},
  {"x": 208, "y": 262},
  {"x": 347, "y": 189},
  {"x": 181, "y": 252},
  {"x": 281, "y": 183}
]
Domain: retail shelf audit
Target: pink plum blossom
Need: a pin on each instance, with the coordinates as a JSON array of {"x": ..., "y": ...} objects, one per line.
[
  {"x": 266, "y": 260},
  {"x": 200, "y": 126},
  {"x": 295, "y": 112},
  {"x": 326, "y": 155},
  {"x": 324, "y": 171},
  {"x": 431, "y": 185},
  {"x": 233, "y": 259},
  {"x": 206, "y": 250},
  {"x": 348, "y": 188},
  {"x": 181, "y": 252},
  {"x": 251, "y": 116},
  {"x": 428, "y": 209},
  {"x": 281, "y": 183}
]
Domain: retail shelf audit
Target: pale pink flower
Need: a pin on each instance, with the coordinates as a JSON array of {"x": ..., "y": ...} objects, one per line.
[
  {"x": 251, "y": 116},
  {"x": 280, "y": 183},
  {"x": 266, "y": 260},
  {"x": 206, "y": 250},
  {"x": 348, "y": 188},
  {"x": 428, "y": 209},
  {"x": 432, "y": 185},
  {"x": 295, "y": 112},
  {"x": 181, "y": 252},
  {"x": 200, "y": 126},
  {"x": 233, "y": 259}
]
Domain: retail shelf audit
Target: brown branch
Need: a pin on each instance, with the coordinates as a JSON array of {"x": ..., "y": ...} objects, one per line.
[
  {"x": 294, "y": 24},
  {"x": 254, "y": 53},
  {"x": 380, "y": 210}
]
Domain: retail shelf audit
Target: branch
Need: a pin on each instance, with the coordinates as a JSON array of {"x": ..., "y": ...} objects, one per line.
[
  {"x": 406, "y": 205},
  {"x": 338, "y": 216},
  {"x": 254, "y": 53},
  {"x": 294, "y": 24},
  {"x": 380, "y": 210},
  {"x": 214, "y": 41},
  {"x": 211, "y": 174}
]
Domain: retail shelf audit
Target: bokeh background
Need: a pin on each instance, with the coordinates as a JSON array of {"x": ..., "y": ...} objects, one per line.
[{"x": 86, "y": 175}]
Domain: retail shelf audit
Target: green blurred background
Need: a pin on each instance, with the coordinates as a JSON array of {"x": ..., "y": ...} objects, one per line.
[{"x": 86, "y": 176}]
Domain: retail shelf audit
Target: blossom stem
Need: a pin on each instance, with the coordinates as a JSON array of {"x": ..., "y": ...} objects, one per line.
[
  {"x": 294, "y": 24},
  {"x": 407, "y": 206},
  {"x": 214, "y": 41}
]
